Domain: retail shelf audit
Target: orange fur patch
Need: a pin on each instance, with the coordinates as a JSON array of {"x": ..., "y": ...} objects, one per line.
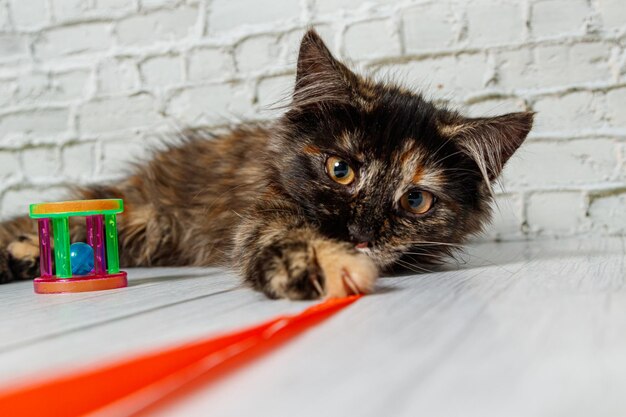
[
  {"x": 312, "y": 150},
  {"x": 418, "y": 175},
  {"x": 405, "y": 156}
]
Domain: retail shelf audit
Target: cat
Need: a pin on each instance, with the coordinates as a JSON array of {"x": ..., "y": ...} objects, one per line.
[{"x": 354, "y": 178}]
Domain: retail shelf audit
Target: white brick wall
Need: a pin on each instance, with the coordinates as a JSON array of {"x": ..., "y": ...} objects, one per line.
[{"x": 86, "y": 85}]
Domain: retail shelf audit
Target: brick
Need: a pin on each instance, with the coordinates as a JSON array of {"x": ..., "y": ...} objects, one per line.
[
  {"x": 616, "y": 107},
  {"x": 558, "y": 17},
  {"x": 496, "y": 107},
  {"x": 40, "y": 162},
  {"x": 607, "y": 213},
  {"x": 428, "y": 27},
  {"x": 332, "y": 6},
  {"x": 64, "y": 10},
  {"x": 227, "y": 14},
  {"x": 162, "y": 71},
  {"x": 571, "y": 112},
  {"x": 117, "y": 76},
  {"x": 207, "y": 64},
  {"x": 507, "y": 217},
  {"x": 78, "y": 160},
  {"x": 613, "y": 14},
  {"x": 621, "y": 170},
  {"x": 516, "y": 69},
  {"x": 257, "y": 53},
  {"x": 470, "y": 72},
  {"x": 210, "y": 104},
  {"x": 555, "y": 212},
  {"x": 274, "y": 91},
  {"x": 16, "y": 201},
  {"x": 544, "y": 66},
  {"x": 71, "y": 10},
  {"x": 31, "y": 87},
  {"x": 445, "y": 77},
  {"x": 75, "y": 39},
  {"x": 8, "y": 88},
  {"x": 372, "y": 39},
  {"x": 5, "y": 20},
  {"x": 34, "y": 123},
  {"x": 161, "y": 25},
  {"x": 29, "y": 14},
  {"x": 70, "y": 85},
  {"x": 40, "y": 89},
  {"x": 491, "y": 22},
  {"x": 118, "y": 113},
  {"x": 589, "y": 59},
  {"x": 572, "y": 163},
  {"x": 151, "y": 4},
  {"x": 9, "y": 165},
  {"x": 13, "y": 46},
  {"x": 119, "y": 154}
]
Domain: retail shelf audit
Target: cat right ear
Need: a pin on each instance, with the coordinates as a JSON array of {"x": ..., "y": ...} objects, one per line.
[
  {"x": 489, "y": 141},
  {"x": 320, "y": 77}
]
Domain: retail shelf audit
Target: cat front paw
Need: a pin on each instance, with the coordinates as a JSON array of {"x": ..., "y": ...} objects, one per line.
[
  {"x": 20, "y": 259},
  {"x": 346, "y": 271},
  {"x": 318, "y": 269}
]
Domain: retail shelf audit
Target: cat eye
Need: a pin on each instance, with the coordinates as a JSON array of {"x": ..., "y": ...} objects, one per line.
[
  {"x": 417, "y": 201},
  {"x": 339, "y": 170}
]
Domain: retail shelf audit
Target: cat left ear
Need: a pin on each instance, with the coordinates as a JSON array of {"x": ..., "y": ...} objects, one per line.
[
  {"x": 489, "y": 141},
  {"x": 320, "y": 77}
]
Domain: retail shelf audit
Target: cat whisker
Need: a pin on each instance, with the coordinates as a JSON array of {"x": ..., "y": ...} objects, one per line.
[
  {"x": 457, "y": 170},
  {"x": 445, "y": 142},
  {"x": 413, "y": 266},
  {"x": 425, "y": 242},
  {"x": 457, "y": 256},
  {"x": 274, "y": 211},
  {"x": 422, "y": 254},
  {"x": 447, "y": 156}
]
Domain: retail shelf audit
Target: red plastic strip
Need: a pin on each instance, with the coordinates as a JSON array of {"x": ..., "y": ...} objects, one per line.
[{"x": 141, "y": 384}]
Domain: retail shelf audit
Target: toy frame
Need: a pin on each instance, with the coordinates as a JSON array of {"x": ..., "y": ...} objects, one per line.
[{"x": 101, "y": 226}]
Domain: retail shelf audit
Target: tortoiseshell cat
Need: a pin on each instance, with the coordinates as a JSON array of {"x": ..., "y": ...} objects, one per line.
[{"x": 352, "y": 178}]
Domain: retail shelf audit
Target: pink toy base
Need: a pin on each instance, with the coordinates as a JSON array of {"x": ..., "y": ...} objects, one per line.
[{"x": 53, "y": 285}]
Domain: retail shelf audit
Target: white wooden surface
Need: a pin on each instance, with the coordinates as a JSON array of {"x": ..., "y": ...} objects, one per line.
[{"x": 515, "y": 329}]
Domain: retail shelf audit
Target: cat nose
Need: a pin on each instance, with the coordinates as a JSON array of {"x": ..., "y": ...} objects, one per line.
[{"x": 361, "y": 237}]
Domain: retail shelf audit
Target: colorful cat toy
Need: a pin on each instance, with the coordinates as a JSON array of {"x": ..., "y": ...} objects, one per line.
[{"x": 78, "y": 267}]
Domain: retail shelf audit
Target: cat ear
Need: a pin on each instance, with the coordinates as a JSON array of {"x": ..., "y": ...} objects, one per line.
[
  {"x": 320, "y": 77},
  {"x": 490, "y": 141}
]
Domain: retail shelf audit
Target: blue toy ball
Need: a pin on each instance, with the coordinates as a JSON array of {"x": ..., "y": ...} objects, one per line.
[{"x": 81, "y": 258}]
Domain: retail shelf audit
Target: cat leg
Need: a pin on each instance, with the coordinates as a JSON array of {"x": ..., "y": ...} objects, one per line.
[{"x": 284, "y": 257}]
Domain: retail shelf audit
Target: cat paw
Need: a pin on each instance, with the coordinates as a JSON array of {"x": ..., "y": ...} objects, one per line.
[
  {"x": 319, "y": 269},
  {"x": 20, "y": 259},
  {"x": 346, "y": 271}
]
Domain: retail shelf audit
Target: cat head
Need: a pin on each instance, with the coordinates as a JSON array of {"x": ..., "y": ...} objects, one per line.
[{"x": 381, "y": 167}]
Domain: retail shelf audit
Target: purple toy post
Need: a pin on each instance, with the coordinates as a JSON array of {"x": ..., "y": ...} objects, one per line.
[
  {"x": 45, "y": 251},
  {"x": 95, "y": 238}
]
